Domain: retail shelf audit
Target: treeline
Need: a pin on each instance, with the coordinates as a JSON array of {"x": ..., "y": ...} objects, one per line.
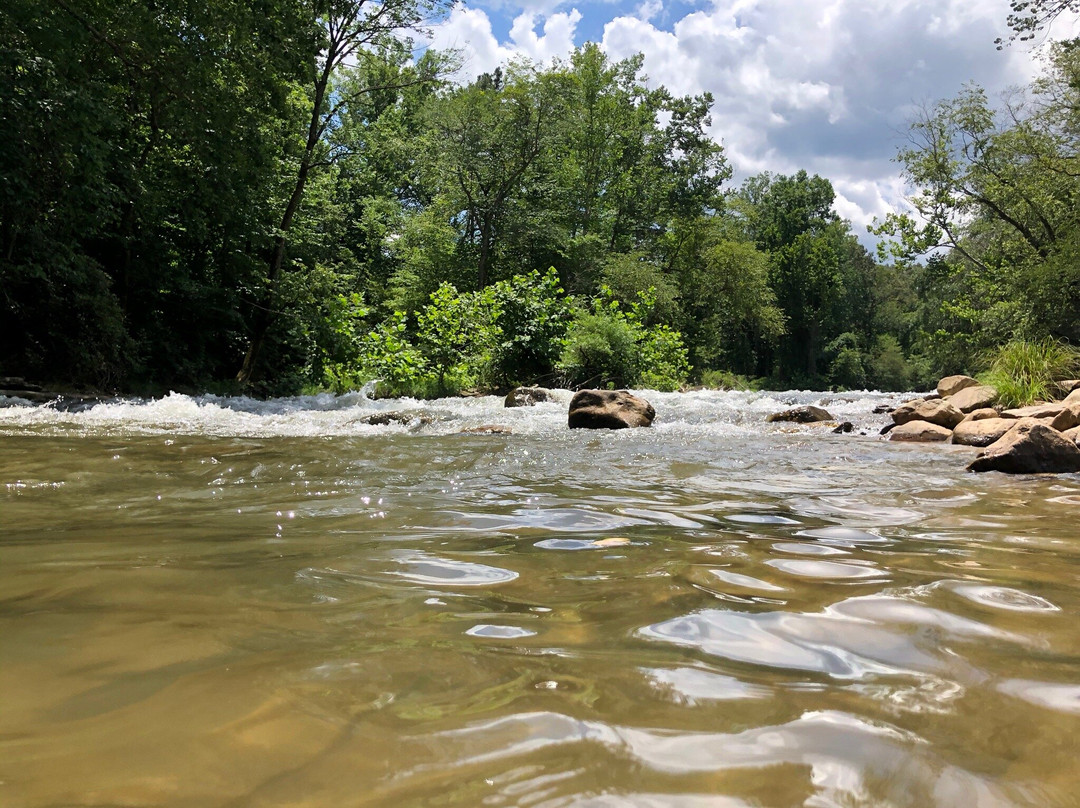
[{"x": 278, "y": 195}]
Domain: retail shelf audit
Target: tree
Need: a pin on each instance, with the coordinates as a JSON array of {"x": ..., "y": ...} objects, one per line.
[
  {"x": 349, "y": 29},
  {"x": 1028, "y": 17}
]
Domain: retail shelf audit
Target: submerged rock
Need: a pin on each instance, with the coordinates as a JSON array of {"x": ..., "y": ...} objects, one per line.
[
  {"x": 920, "y": 432},
  {"x": 974, "y": 398},
  {"x": 844, "y": 428},
  {"x": 526, "y": 396},
  {"x": 951, "y": 385},
  {"x": 981, "y": 432},
  {"x": 609, "y": 409},
  {"x": 1030, "y": 447},
  {"x": 806, "y": 414},
  {"x": 487, "y": 429},
  {"x": 937, "y": 411}
]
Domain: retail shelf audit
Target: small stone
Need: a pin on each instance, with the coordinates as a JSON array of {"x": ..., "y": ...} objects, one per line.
[
  {"x": 1030, "y": 447},
  {"x": 806, "y": 414},
  {"x": 844, "y": 428},
  {"x": 952, "y": 385},
  {"x": 403, "y": 418},
  {"x": 920, "y": 432}
]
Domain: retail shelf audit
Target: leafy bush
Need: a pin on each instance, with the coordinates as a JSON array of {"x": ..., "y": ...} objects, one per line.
[
  {"x": 532, "y": 315},
  {"x": 609, "y": 347},
  {"x": 889, "y": 368},
  {"x": 457, "y": 331},
  {"x": 725, "y": 380},
  {"x": 1025, "y": 372}
]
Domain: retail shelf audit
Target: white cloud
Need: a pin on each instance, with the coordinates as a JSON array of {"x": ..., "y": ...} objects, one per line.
[{"x": 828, "y": 86}]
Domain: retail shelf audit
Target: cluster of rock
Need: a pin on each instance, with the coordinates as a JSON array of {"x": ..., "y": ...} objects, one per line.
[
  {"x": 17, "y": 388},
  {"x": 1036, "y": 439}
]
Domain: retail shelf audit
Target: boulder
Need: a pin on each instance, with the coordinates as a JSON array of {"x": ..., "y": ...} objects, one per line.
[
  {"x": 806, "y": 414},
  {"x": 920, "y": 432},
  {"x": 1048, "y": 410},
  {"x": 608, "y": 409},
  {"x": 982, "y": 415},
  {"x": 882, "y": 409},
  {"x": 1072, "y": 434},
  {"x": 951, "y": 385},
  {"x": 974, "y": 398},
  {"x": 938, "y": 411},
  {"x": 1073, "y": 397},
  {"x": 844, "y": 428},
  {"x": 526, "y": 396},
  {"x": 1068, "y": 385},
  {"x": 1030, "y": 447},
  {"x": 1067, "y": 418},
  {"x": 487, "y": 429},
  {"x": 982, "y": 432}
]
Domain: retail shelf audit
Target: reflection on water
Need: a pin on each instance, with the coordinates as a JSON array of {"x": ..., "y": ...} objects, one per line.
[{"x": 227, "y": 602}]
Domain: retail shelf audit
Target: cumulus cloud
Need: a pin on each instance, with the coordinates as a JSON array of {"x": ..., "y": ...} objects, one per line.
[{"x": 827, "y": 86}]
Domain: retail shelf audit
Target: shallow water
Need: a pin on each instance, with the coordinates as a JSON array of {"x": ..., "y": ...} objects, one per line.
[{"x": 223, "y": 602}]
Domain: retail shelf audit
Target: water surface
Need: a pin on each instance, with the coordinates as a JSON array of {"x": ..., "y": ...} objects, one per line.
[{"x": 223, "y": 602}]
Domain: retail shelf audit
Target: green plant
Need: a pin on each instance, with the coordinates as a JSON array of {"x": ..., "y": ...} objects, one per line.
[
  {"x": 457, "y": 331},
  {"x": 532, "y": 314},
  {"x": 1024, "y": 372}
]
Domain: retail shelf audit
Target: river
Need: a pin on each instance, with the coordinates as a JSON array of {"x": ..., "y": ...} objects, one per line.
[{"x": 226, "y": 602}]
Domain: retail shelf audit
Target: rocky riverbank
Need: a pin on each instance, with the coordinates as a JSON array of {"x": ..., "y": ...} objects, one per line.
[{"x": 1041, "y": 438}]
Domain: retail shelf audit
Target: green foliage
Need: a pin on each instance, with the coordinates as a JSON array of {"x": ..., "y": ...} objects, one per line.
[
  {"x": 457, "y": 332},
  {"x": 1024, "y": 372},
  {"x": 532, "y": 318},
  {"x": 725, "y": 380},
  {"x": 609, "y": 347},
  {"x": 888, "y": 368}
]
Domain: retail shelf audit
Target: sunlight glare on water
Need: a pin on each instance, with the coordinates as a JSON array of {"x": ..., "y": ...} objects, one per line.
[{"x": 222, "y": 602}]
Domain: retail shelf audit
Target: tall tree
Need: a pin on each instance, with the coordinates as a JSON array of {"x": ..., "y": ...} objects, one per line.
[{"x": 350, "y": 30}]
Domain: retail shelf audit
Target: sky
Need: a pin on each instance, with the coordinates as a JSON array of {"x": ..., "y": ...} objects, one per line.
[{"x": 829, "y": 86}]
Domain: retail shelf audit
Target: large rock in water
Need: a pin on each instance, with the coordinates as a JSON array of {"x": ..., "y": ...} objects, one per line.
[
  {"x": 974, "y": 398},
  {"x": 1030, "y": 447},
  {"x": 981, "y": 432},
  {"x": 608, "y": 409},
  {"x": 951, "y": 385},
  {"x": 1048, "y": 410},
  {"x": 936, "y": 411},
  {"x": 526, "y": 396},
  {"x": 806, "y": 414},
  {"x": 920, "y": 432}
]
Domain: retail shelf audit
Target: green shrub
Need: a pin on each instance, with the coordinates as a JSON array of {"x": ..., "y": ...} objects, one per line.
[
  {"x": 725, "y": 380},
  {"x": 1025, "y": 372},
  {"x": 532, "y": 314},
  {"x": 889, "y": 368}
]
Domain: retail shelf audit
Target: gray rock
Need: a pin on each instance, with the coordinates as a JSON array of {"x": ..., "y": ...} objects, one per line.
[
  {"x": 608, "y": 409},
  {"x": 974, "y": 398},
  {"x": 403, "y": 418},
  {"x": 1030, "y": 447},
  {"x": 806, "y": 414},
  {"x": 982, "y": 432},
  {"x": 951, "y": 385},
  {"x": 920, "y": 432},
  {"x": 938, "y": 411},
  {"x": 526, "y": 396}
]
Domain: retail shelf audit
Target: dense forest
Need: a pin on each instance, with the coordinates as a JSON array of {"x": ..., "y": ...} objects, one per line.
[{"x": 284, "y": 195}]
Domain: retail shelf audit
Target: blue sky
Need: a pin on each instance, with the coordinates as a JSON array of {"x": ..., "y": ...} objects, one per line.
[{"x": 823, "y": 85}]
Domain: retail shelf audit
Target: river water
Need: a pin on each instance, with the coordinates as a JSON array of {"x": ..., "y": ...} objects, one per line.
[{"x": 224, "y": 602}]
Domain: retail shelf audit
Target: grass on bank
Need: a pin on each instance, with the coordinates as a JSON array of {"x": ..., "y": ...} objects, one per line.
[{"x": 1025, "y": 372}]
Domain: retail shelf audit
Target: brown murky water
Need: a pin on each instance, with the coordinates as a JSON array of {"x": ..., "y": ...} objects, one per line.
[{"x": 222, "y": 603}]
